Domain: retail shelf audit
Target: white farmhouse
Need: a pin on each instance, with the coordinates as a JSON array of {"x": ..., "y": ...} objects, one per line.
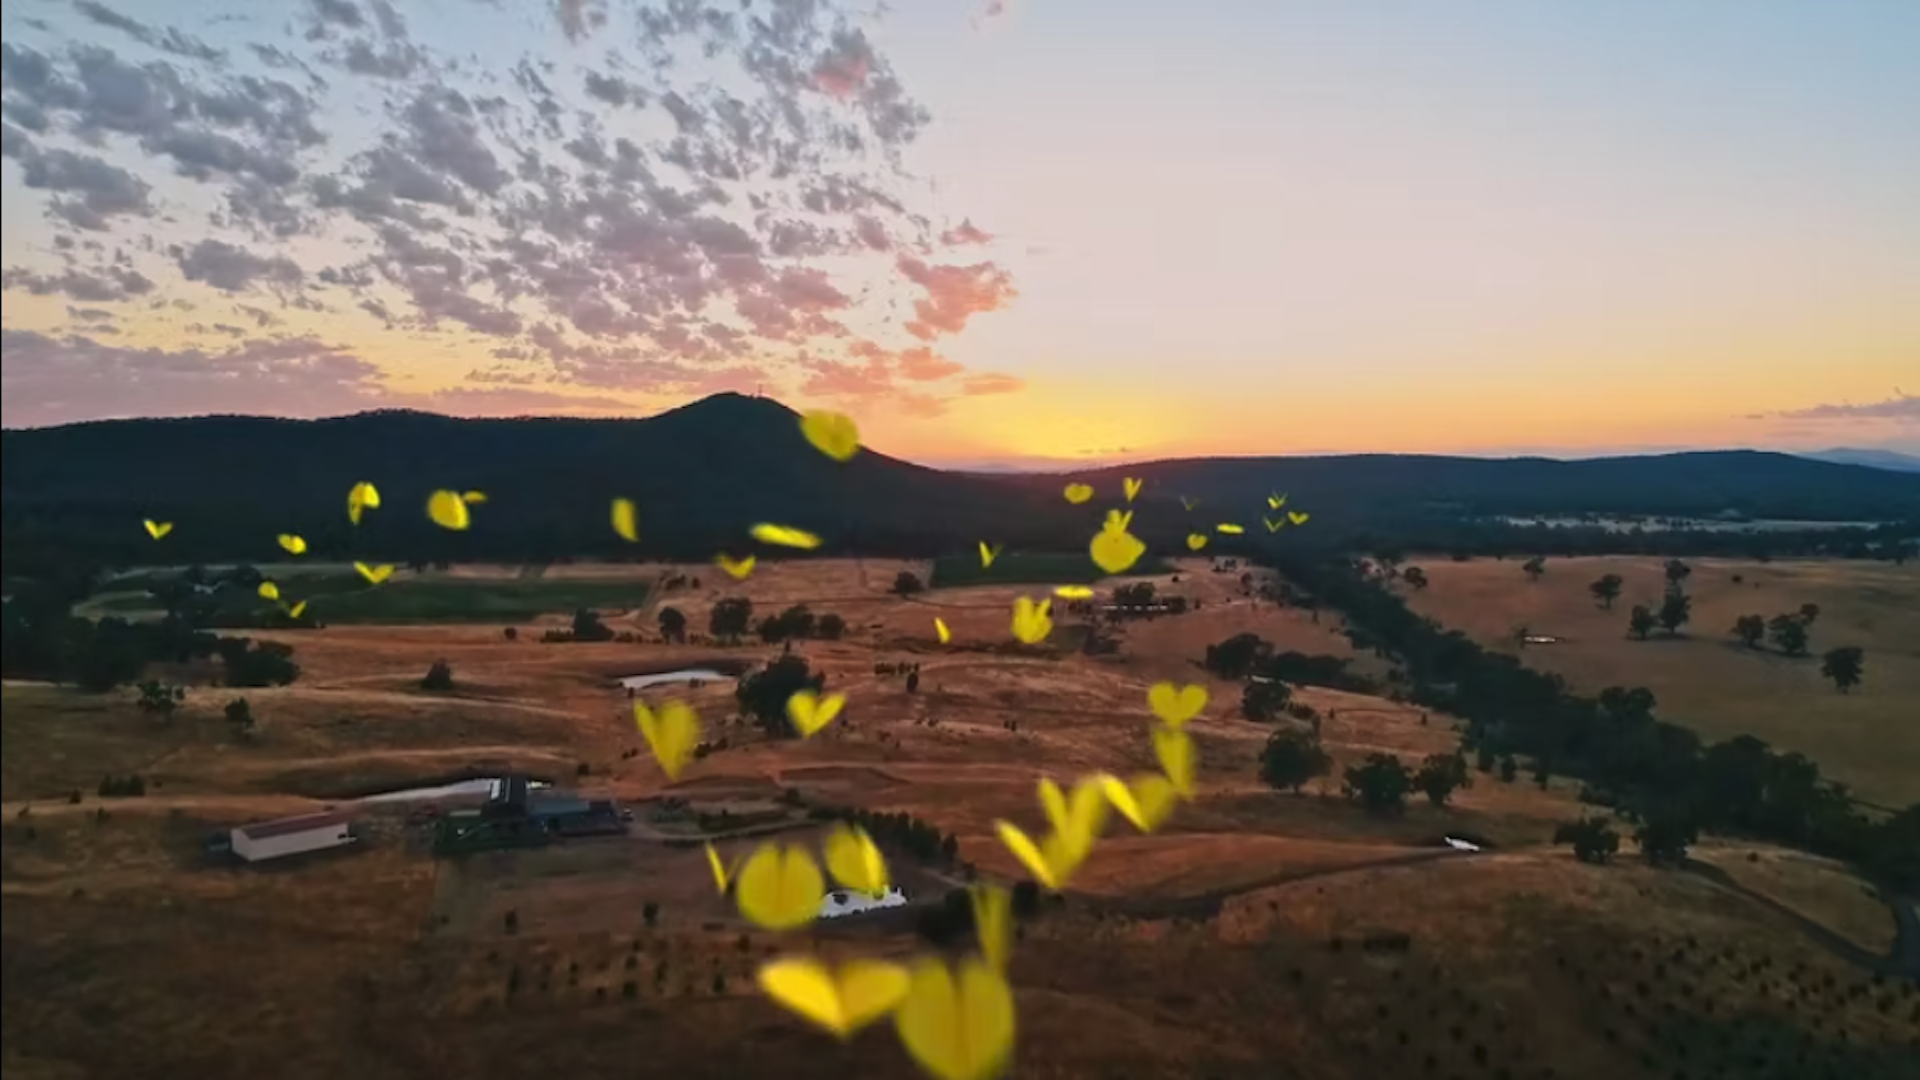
[
  {"x": 290, "y": 836},
  {"x": 842, "y": 902}
]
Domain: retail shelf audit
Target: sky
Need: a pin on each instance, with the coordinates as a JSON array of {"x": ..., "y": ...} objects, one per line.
[{"x": 1010, "y": 233}]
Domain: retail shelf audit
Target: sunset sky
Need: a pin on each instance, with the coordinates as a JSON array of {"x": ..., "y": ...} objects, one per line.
[{"x": 1030, "y": 232}]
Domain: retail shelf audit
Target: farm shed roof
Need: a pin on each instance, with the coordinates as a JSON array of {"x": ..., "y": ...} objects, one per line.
[{"x": 261, "y": 830}]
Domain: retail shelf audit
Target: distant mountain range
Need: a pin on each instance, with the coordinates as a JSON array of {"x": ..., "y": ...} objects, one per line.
[
  {"x": 1872, "y": 459},
  {"x": 704, "y": 473}
]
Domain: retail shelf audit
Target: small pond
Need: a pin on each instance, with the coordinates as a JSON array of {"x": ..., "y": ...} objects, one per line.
[
  {"x": 458, "y": 789},
  {"x": 662, "y": 678}
]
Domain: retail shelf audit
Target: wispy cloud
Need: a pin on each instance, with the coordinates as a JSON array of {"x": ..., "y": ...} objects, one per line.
[{"x": 1901, "y": 409}]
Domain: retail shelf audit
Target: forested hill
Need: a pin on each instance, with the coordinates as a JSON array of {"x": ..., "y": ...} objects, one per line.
[{"x": 704, "y": 473}]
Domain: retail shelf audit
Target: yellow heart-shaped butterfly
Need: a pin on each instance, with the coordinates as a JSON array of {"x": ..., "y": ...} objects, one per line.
[
  {"x": 723, "y": 873},
  {"x": 1075, "y": 822},
  {"x": 842, "y": 1001},
  {"x": 158, "y": 529},
  {"x": 1073, "y": 592},
  {"x": 1276, "y": 501},
  {"x": 1032, "y": 622},
  {"x": 374, "y": 574},
  {"x": 1146, "y": 802},
  {"x": 362, "y": 497},
  {"x": 854, "y": 860},
  {"x": 268, "y": 591},
  {"x": 1272, "y": 525},
  {"x": 831, "y": 433},
  {"x": 957, "y": 1025},
  {"x": 298, "y": 609},
  {"x": 1229, "y": 530},
  {"x": 448, "y": 510},
  {"x": 625, "y": 520},
  {"x": 1078, "y": 493},
  {"x": 472, "y": 498},
  {"x": 1115, "y": 550},
  {"x": 940, "y": 630},
  {"x": 811, "y": 712},
  {"x": 671, "y": 734},
  {"x": 992, "y": 908},
  {"x": 1297, "y": 517},
  {"x": 1175, "y": 705},
  {"x": 293, "y": 545},
  {"x": 779, "y": 887},
  {"x": 1173, "y": 748},
  {"x": 785, "y": 536},
  {"x": 988, "y": 554},
  {"x": 1117, "y": 520},
  {"x": 1131, "y": 486},
  {"x": 1188, "y": 504},
  {"x": 737, "y": 569},
  {"x": 1196, "y": 541}
]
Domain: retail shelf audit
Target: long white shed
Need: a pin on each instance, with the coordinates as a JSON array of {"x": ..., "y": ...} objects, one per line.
[{"x": 292, "y": 836}]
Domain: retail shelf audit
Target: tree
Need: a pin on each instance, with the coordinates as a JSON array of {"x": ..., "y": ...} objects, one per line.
[
  {"x": 1843, "y": 665},
  {"x": 731, "y": 618},
  {"x": 1415, "y": 577},
  {"x": 439, "y": 677},
  {"x": 1607, "y": 589},
  {"x": 1237, "y": 656},
  {"x": 1291, "y": 758},
  {"x": 1509, "y": 768},
  {"x": 1441, "y": 775},
  {"x": 1809, "y": 613},
  {"x": 913, "y": 682},
  {"x": 1593, "y": 840},
  {"x": 1381, "y": 783},
  {"x": 1640, "y": 622},
  {"x": 159, "y": 699},
  {"x": 588, "y": 627},
  {"x": 1534, "y": 567},
  {"x": 1789, "y": 634},
  {"x": 1677, "y": 572},
  {"x": 763, "y": 695},
  {"x": 1262, "y": 702},
  {"x": 907, "y": 583},
  {"x": 240, "y": 715},
  {"x": 1664, "y": 836},
  {"x": 830, "y": 627},
  {"x": 673, "y": 624},
  {"x": 257, "y": 663},
  {"x": 1675, "y": 609},
  {"x": 798, "y": 621},
  {"x": 1750, "y": 629},
  {"x": 511, "y": 633}
]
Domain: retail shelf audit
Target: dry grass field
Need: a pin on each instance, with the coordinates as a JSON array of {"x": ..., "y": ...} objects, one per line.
[
  {"x": 129, "y": 952},
  {"x": 1706, "y": 679}
]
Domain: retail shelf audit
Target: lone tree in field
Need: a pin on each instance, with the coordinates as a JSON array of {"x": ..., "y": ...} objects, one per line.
[
  {"x": 1593, "y": 840},
  {"x": 1750, "y": 629},
  {"x": 763, "y": 695},
  {"x": 158, "y": 699},
  {"x": 830, "y": 627},
  {"x": 1809, "y": 614},
  {"x": 907, "y": 583},
  {"x": 731, "y": 619},
  {"x": 1291, "y": 758},
  {"x": 240, "y": 715},
  {"x": 1415, "y": 577},
  {"x": 1607, "y": 589},
  {"x": 1262, "y": 702},
  {"x": 1844, "y": 665},
  {"x": 1677, "y": 572},
  {"x": 1789, "y": 634},
  {"x": 1676, "y": 608},
  {"x": 1441, "y": 775},
  {"x": 1534, "y": 567},
  {"x": 587, "y": 626},
  {"x": 1664, "y": 837},
  {"x": 1381, "y": 783},
  {"x": 673, "y": 624},
  {"x": 438, "y": 678},
  {"x": 1640, "y": 622}
]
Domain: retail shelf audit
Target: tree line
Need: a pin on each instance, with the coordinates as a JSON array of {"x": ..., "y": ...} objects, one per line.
[{"x": 1657, "y": 771}]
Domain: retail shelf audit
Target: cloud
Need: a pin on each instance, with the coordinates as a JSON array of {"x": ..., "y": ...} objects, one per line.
[
  {"x": 982, "y": 385},
  {"x": 672, "y": 214},
  {"x": 1901, "y": 409},
  {"x": 55, "y": 380}
]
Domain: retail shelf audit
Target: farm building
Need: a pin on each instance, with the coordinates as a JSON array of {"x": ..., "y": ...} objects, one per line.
[
  {"x": 842, "y": 902},
  {"x": 291, "y": 836},
  {"x": 517, "y": 815}
]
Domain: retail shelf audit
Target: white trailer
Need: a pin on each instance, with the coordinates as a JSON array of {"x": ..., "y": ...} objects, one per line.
[{"x": 290, "y": 836}]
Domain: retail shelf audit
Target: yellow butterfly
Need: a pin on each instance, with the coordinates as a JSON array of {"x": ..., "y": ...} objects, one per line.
[
  {"x": 842, "y": 1002},
  {"x": 293, "y": 545},
  {"x": 374, "y": 574},
  {"x": 992, "y": 923},
  {"x": 1073, "y": 592},
  {"x": 988, "y": 554},
  {"x": 298, "y": 609},
  {"x": 1297, "y": 517},
  {"x": 785, "y": 536},
  {"x": 1173, "y": 748},
  {"x": 723, "y": 873},
  {"x": 1175, "y": 705},
  {"x": 811, "y": 712},
  {"x": 1188, "y": 504},
  {"x": 737, "y": 569},
  {"x": 268, "y": 591},
  {"x": 831, "y": 433},
  {"x": 1272, "y": 525},
  {"x": 1196, "y": 541},
  {"x": 1114, "y": 550},
  {"x": 158, "y": 529},
  {"x": 361, "y": 497},
  {"x": 448, "y": 510},
  {"x": 957, "y": 1025},
  {"x": 1076, "y": 822},
  {"x": 1230, "y": 530},
  {"x": 1078, "y": 493},
  {"x": 854, "y": 860},
  {"x": 1131, "y": 486},
  {"x": 625, "y": 525},
  {"x": 1146, "y": 802},
  {"x": 671, "y": 734},
  {"x": 1116, "y": 520},
  {"x": 1276, "y": 501},
  {"x": 473, "y": 497},
  {"x": 1032, "y": 622},
  {"x": 940, "y": 629},
  {"x": 779, "y": 887}
]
